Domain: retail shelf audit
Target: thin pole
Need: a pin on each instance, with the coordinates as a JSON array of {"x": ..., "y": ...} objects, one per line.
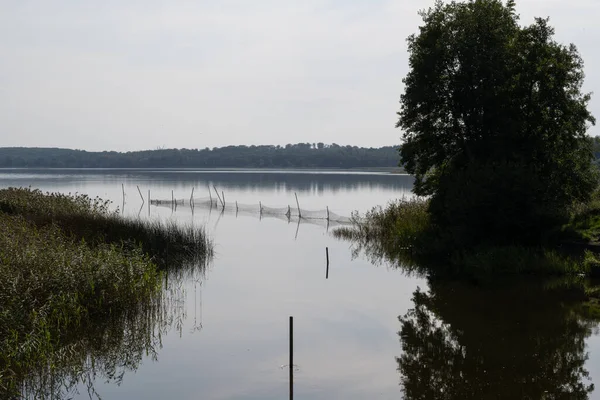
[
  {"x": 218, "y": 195},
  {"x": 260, "y": 207},
  {"x": 192, "y": 197},
  {"x": 327, "y": 257},
  {"x": 123, "y": 188},
  {"x": 297, "y": 203},
  {"x": 210, "y": 195},
  {"x": 140, "y": 192},
  {"x": 291, "y": 358},
  {"x": 327, "y": 213},
  {"x": 223, "y": 194},
  {"x": 172, "y": 200},
  {"x": 149, "y": 202}
]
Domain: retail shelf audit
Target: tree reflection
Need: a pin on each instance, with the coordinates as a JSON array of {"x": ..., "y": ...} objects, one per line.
[{"x": 518, "y": 340}]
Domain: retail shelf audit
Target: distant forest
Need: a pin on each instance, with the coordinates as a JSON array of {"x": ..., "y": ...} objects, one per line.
[{"x": 300, "y": 155}]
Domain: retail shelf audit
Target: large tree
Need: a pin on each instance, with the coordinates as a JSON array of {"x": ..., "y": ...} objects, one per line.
[{"x": 494, "y": 122}]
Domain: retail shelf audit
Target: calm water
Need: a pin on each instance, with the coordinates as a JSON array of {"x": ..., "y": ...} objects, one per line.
[{"x": 369, "y": 331}]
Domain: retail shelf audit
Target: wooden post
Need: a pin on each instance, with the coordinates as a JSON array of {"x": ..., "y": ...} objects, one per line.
[
  {"x": 123, "y": 188},
  {"x": 327, "y": 213},
  {"x": 223, "y": 204},
  {"x": 298, "y": 204},
  {"x": 140, "y": 192},
  {"x": 210, "y": 195},
  {"x": 260, "y": 207},
  {"x": 327, "y": 258},
  {"x": 192, "y": 197},
  {"x": 291, "y": 358}
]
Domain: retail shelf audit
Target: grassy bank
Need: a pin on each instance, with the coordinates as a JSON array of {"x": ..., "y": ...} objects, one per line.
[
  {"x": 67, "y": 264},
  {"x": 403, "y": 233}
]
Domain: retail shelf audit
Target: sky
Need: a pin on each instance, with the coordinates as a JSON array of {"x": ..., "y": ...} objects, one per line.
[{"x": 147, "y": 74}]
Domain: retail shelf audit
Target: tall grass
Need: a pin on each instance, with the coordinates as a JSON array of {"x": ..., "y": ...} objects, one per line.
[
  {"x": 91, "y": 219},
  {"x": 68, "y": 264}
]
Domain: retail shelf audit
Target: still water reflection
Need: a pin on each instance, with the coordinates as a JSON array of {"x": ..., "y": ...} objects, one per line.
[
  {"x": 511, "y": 340},
  {"x": 372, "y": 330}
]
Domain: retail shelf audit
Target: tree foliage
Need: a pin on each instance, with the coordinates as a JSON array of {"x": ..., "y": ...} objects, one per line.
[
  {"x": 300, "y": 155},
  {"x": 494, "y": 122}
]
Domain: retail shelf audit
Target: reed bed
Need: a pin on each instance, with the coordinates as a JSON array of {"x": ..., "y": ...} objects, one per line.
[{"x": 68, "y": 264}]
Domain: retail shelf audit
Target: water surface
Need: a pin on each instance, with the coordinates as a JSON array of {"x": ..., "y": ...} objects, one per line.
[{"x": 369, "y": 331}]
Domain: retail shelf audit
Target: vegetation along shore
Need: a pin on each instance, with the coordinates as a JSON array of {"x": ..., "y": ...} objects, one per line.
[{"x": 69, "y": 264}]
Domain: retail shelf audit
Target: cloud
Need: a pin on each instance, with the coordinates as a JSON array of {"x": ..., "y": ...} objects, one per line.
[{"x": 142, "y": 74}]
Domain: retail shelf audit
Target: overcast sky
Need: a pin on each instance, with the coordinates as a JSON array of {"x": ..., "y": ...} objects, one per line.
[{"x": 142, "y": 74}]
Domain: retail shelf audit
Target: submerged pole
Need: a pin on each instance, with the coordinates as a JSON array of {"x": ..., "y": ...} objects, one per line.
[
  {"x": 291, "y": 358},
  {"x": 210, "y": 195},
  {"x": 327, "y": 207},
  {"x": 223, "y": 194},
  {"x": 298, "y": 204},
  {"x": 192, "y": 197}
]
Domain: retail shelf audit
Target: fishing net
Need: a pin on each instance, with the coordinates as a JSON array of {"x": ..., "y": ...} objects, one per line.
[{"x": 291, "y": 214}]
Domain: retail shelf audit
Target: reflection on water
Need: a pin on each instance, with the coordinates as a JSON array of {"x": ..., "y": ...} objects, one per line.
[
  {"x": 286, "y": 181},
  {"x": 505, "y": 339},
  {"x": 115, "y": 345},
  {"x": 517, "y": 340}
]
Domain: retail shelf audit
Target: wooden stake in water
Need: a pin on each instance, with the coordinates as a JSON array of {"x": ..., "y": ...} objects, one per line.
[
  {"x": 192, "y": 197},
  {"x": 298, "y": 204},
  {"x": 140, "y": 192},
  {"x": 222, "y": 204},
  {"x": 210, "y": 195},
  {"x": 327, "y": 258},
  {"x": 327, "y": 213},
  {"x": 223, "y": 194},
  {"x": 291, "y": 358}
]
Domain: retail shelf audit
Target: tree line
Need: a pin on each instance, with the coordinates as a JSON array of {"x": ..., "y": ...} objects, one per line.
[{"x": 300, "y": 155}]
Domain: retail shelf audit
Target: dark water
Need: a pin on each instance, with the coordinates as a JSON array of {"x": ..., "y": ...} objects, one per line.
[{"x": 369, "y": 331}]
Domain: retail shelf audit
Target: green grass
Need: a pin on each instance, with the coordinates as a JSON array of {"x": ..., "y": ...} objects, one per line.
[{"x": 69, "y": 265}]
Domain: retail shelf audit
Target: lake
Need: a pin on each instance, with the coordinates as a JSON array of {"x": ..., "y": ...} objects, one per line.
[{"x": 370, "y": 330}]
